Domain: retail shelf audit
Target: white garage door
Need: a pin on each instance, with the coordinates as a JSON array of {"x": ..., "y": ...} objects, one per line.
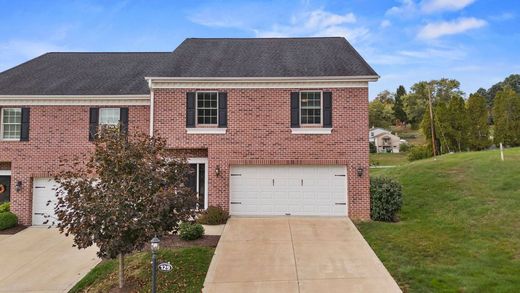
[
  {"x": 288, "y": 190},
  {"x": 44, "y": 190}
]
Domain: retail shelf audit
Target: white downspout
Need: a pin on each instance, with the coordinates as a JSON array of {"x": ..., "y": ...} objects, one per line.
[{"x": 151, "y": 106}]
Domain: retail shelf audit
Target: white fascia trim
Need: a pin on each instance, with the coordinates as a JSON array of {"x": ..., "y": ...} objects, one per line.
[
  {"x": 267, "y": 82},
  {"x": 206, "y": 130},
  {"x": 311, "y": 130},
  {"x": 75, "y": 100},
  {"x": 5, "y": 172}
]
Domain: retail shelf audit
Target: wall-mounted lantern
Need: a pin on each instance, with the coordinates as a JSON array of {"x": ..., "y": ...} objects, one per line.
[
  {"x": 18, "y": 186},
  {"x": 359, "y": 171},
  {"x": 217, "y": 171}
]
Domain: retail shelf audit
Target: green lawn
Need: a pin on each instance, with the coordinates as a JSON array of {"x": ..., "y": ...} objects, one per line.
[
  {"x": 460, "y": 224},
  {"x": 189, "y": 270},
  {"x": 388, "y": 159}
]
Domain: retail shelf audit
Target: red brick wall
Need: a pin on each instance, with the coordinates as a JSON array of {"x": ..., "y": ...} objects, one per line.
[
  {"x": 55, "y": 131},
  {"x": 259, "y": 131}
]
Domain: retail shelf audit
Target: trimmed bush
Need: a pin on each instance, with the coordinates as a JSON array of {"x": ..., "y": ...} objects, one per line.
[
  {"x": 5, "y": 207},
  {"x": 372, "y": 148},
  {"x": 213, "y": 216},
  {"x": 190, "y": 231},
  {"x": 419, "y": 152},
  {"x": 7, "y": 220},
  {"x": 385, "y": 199},
  {"x": 404, "y": 147}
]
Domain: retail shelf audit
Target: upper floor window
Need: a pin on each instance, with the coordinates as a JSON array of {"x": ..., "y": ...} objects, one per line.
[
  {"x": 310, "y": 107},
  {"x": 11, "y": 125},
  {"x": 109, "y": 116},
  {"x": 207, "y": 108}
]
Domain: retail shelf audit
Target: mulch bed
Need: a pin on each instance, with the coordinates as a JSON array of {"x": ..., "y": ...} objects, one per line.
[
  {"x": 12, "y": 230},
  {"x": 176, "y": 242}
]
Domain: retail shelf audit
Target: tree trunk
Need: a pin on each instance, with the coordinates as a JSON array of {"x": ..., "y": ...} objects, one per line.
[{"x": 121, "y": 270}]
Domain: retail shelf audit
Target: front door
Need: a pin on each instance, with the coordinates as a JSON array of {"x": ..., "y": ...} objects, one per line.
[
  {"x": 5, "y": 188},
  {"x": 197, "y": 183}
]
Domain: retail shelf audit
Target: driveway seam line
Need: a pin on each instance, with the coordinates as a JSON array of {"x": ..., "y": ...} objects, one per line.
[{"x": 294, "y": 254}]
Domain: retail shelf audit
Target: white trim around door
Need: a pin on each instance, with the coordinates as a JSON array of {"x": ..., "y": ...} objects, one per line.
[{"x": 205, "y": 162}]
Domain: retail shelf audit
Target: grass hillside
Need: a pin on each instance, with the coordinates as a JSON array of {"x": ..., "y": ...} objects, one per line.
[{"x": 460, "y": 224}]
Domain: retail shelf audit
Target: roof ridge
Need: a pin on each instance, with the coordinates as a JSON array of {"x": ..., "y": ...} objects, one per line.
[
  {"x": 106, "y": 52},
  {"x": 268, "y": 38}
]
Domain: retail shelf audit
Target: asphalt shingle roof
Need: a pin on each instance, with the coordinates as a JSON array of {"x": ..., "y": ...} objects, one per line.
[{"x": 124, "y": 73}]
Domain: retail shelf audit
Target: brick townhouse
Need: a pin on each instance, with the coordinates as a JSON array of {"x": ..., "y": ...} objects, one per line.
[{"x": 273, "y": 126}]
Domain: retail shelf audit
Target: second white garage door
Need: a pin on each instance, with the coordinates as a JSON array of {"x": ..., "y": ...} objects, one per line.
[
  {"x": 288, "y": 190},
  {"x": 44, "y": 190}
]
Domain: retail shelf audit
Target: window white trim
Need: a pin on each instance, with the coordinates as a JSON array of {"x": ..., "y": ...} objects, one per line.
[
  {"x": 197, "y": 109},
  {"x": 311, "y": 130},
  {"x": 206, "y": 165},
  {"x": 321, "y": 109},
  {"x": 2, "y": 125},
  {"x": 211, "y": 130},
  {"x": 5, "y": 172}
]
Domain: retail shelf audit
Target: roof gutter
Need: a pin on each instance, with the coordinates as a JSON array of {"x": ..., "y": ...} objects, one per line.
[
  {"x": 74, "y": 100},
  {"x": 264, "y": 79},
  {"x": 262, "y": 82}
]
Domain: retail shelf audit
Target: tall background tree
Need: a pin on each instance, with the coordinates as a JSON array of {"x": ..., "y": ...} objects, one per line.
[
  {"x": 398, "y": 108},
  {"x": 478, "y": 127},
  {"x": 381, "y": 113},
  {"x": 123, "y": 194},
  {"x": 506, "y": 113}
]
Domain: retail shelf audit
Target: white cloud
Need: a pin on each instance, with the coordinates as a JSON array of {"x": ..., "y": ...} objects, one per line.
[
  {"x": 436, "y": 30},
  {"x": 409, "y": 8},
  {"x": 385, "y": 23},
  {"x": 317, "y": 23},
  {"x": 430, "y": 6}
]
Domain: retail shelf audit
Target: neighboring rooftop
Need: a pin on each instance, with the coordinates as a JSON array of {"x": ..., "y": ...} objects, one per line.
[{"x": 124, "y": 73}]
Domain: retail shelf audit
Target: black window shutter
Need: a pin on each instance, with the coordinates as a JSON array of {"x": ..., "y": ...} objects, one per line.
[
  {"x": 93, "y": 123},
  {"x": 26, "y": 117},
  {"x": 123, "y": 118},
  {"x": 295, "y": 109},
  {"x": 190, "y": 109},
  {"x": 327, "y": 109},
  {"x": 222, "y": 109}
]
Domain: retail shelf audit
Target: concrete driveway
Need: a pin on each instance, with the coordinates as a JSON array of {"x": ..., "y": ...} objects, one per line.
[
  {"x": 42, "y": 260},
  {"x": 295, "y": 254}
]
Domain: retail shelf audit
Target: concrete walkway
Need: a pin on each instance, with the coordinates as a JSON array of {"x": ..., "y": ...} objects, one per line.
[
  {"x": 295, "y": 254},
  {"x": 42, "y": 260}
]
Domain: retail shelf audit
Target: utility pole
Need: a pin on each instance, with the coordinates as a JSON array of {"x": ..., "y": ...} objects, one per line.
[{"x": 431, "y": 122}]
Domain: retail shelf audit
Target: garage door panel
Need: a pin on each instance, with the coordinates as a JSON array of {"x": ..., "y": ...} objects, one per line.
[{"x": 295, "y": 190}]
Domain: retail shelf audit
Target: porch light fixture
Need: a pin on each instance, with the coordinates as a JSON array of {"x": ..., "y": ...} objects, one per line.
[
  {"x": 217, "y": 171},
  {"x": 359, "y": 171},
  {"x": 18, "y": 186}
]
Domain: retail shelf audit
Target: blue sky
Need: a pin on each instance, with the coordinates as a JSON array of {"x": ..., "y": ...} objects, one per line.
[{"x": 474, "y": 41}]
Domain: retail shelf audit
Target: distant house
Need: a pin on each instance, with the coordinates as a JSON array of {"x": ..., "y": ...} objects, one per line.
[{"x": 384, "y": 140}]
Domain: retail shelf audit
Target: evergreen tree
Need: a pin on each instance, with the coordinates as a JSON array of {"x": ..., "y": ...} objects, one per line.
[
  {"x": 459, "y": 123},
  {"x": 478, "y": 128},
  {"x": 399, "y": 112},
  {"x": 506, "y": 114}
]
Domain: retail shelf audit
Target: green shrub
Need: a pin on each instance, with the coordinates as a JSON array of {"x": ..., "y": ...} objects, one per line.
[
  {"x": 213, "y": 216},
  {"x": 404, "y": 147},
  {"x": 372, "y": 148},
  {"x": 419, "y": 152},
  {"x": 5, "y": 207},
  {"x": 7, "y": 220},
  {"x": 190, "y": 231},
  {"x": 385, "y": 199}
]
